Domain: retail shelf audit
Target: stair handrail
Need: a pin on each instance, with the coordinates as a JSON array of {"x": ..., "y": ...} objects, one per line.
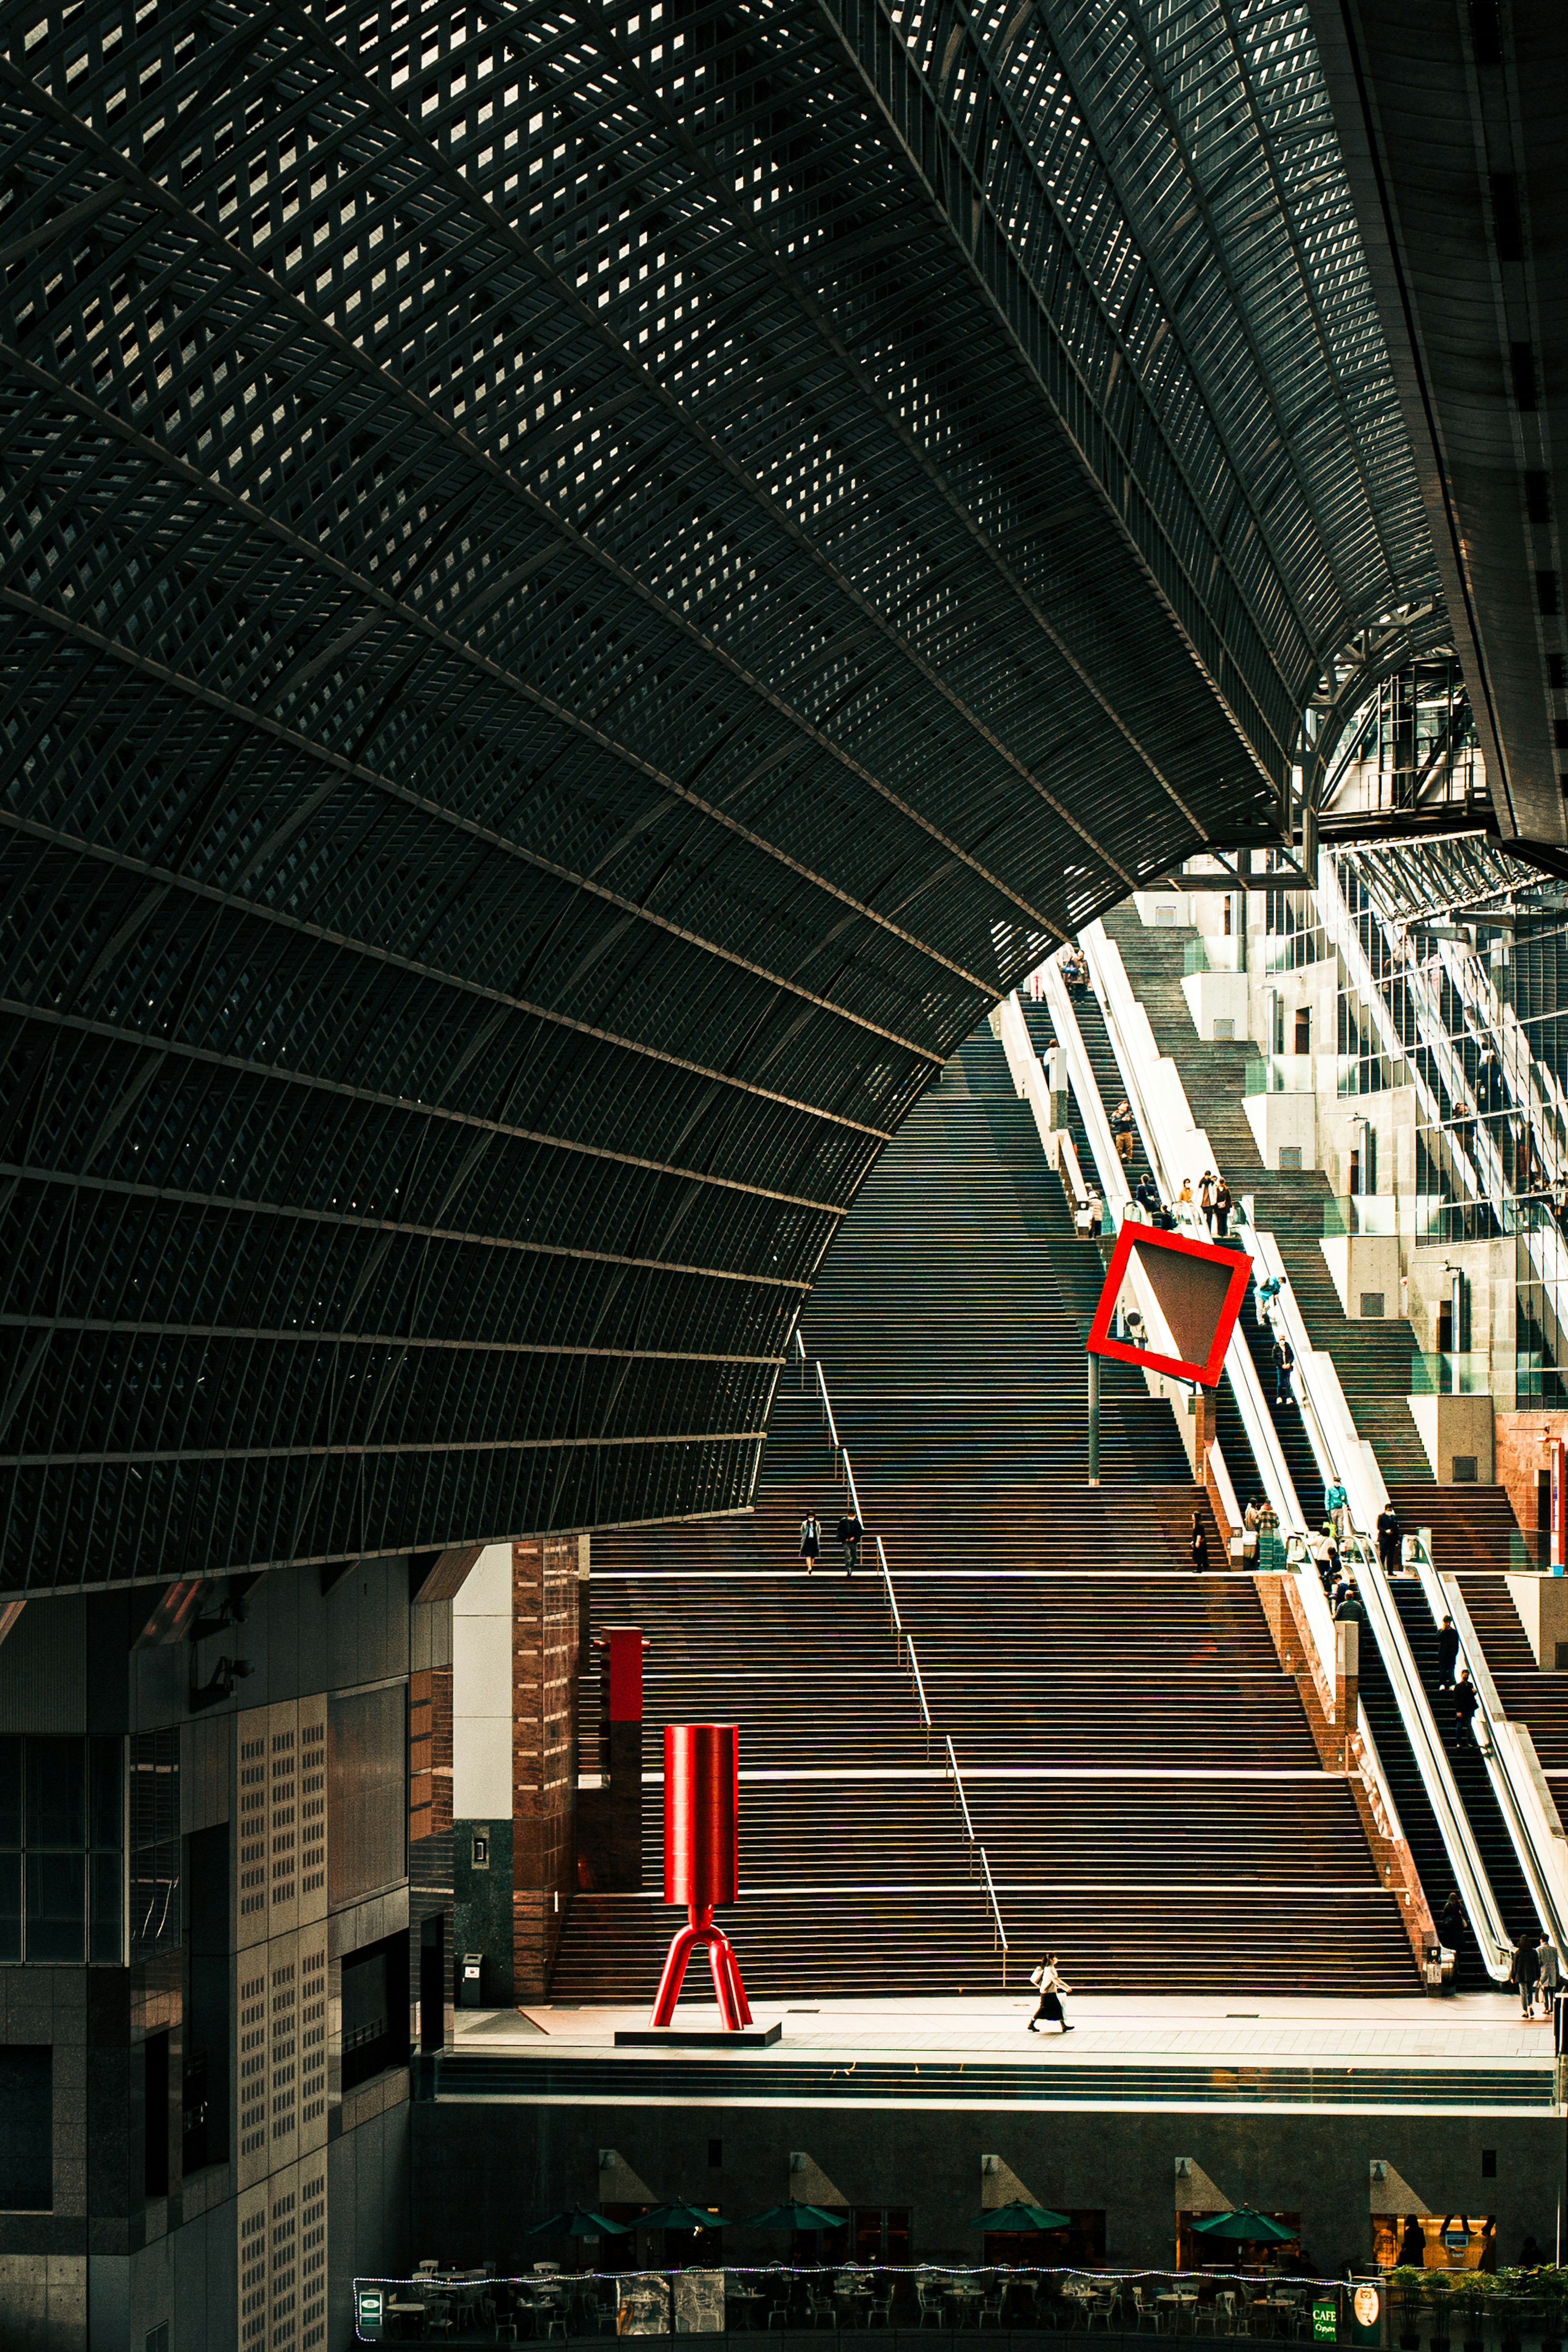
[
  {"x": 841, "y": 1454},
  {"x": 958, "y": 1784},
  {"x": 920, "y": 1686},
  {"x": 898, "y": 1634},
  {"x": 1330, "y": 1418},
  {"x": 998, "y": 1932}
]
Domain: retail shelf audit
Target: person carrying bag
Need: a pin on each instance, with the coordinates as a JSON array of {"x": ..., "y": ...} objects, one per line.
[{"x": 1050, "y": 1988}]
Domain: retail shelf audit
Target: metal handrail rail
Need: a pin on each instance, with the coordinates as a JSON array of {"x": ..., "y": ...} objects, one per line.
[
  {"x": 1000, "y": 1933},
  {"x": 919, "y": 1686},
  {"x": 906, "y": 1641},
  {"x": 899, "y": 1633},
  {"x": 826, "y": 1406},
  {"x": 958, "y": 1784}
]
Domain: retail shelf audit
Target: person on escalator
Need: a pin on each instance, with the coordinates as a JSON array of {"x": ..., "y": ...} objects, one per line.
[
  {"x": 1550, "y": 1974},
  {"x": 1223, "y": 1205},
  {"x": 1284, "y": 1365},
  {"x": 1336, "y": 1502},
  {"x": 1448, "y": 1655},
  {"x": 1122, "y": 1128},
  {"x": 1526, "y": 1972},
  {"x": 1389, "y": 1535},
  {"x": 1451, "y": 1920},
  {"x": 1465, "y": 1699},
  {"x": 1146, "y": 1192}
]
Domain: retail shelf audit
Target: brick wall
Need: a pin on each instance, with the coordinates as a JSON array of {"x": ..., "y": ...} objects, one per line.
[
  {"x": 544, "y": 1663},
  {"x": 429, "y": 1752},
  {"x": 1520, "y": 1459}
]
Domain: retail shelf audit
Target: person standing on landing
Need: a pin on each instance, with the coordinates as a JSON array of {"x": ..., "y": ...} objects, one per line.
[{"x": 1050, "y": 1988}]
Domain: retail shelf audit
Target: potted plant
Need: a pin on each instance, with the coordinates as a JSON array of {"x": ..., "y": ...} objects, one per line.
[
  {"x": 1407, "y": 2285},
  {"x": 1469, "y": 2292}
]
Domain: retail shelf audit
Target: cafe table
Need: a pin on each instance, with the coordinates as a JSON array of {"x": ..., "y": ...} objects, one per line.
[{"x": 1181, "y": 2302}]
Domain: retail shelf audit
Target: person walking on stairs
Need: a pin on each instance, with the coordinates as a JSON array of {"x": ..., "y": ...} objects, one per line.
[
  {"x": 1389, "y": 1536},
  {"x": 1198, "y": 1546},
  {"x": 1526, "y": 1972},
  {"x": 1447, "y": 1654},
  {"x": 1284, "y": 1365},
  {"x": 1122, "y": 1128},
  {"x": 810, "y": 1541},
  {"x": 850, "y": 1532},
  {"x": 1223, "y": 1205},
  {"x": 1050, "y": 1988}
]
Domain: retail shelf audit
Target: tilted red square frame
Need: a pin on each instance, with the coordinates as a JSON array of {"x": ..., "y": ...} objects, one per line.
[{"x": 1152, "y": 1237}]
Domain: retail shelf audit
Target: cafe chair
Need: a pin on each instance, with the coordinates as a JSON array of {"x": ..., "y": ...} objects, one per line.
[
  {"x": 879, "y": 2310},
  {"x": 929, "y": 2301},
  {"x": 991, "y": 2307},
  {"x": 1143, "y": 2312}
]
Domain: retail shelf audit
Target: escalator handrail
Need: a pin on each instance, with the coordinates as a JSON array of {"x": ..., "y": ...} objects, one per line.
[
  {"x": 1313, "y": 1602},
  {"x": 1116, "y": 1000},
  {"x": 1349, "y": 1466},
  {"x": 1508, "y": 1751},
  {"x": 1523, "y": 1799}
]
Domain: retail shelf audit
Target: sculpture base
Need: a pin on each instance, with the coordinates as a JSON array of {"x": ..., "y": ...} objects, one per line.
[{"x": 698, "y": 2037}]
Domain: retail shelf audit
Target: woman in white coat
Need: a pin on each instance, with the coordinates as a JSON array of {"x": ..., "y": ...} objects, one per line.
[{"x": 1050, "y": 1986}]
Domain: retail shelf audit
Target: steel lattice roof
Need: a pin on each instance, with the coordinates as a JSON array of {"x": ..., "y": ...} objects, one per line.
[{"x": 584, "y": 588}]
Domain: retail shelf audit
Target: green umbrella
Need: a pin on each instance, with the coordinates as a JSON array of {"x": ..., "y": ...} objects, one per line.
[
  {"x": 576, "y": 2221},
  {"x": 680, "y": 2216},
  {"x": 794, "y": 2216},
  {"x": 1247, "y": 2227},
  {"x": 1019, "y": 2217}
]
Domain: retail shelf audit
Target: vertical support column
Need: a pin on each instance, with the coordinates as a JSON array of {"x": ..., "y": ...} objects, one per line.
[
  {"x": 1347, "y": 1673},
  {"x": 544, "y": 1659},
  {"x": 1093, "y": 1420}
]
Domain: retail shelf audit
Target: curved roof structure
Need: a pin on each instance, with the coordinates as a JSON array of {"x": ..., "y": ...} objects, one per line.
[{"x": 584, "y": 587}]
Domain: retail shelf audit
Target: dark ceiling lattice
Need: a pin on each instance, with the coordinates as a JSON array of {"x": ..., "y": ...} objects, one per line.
[{"x": 584, "y": 588}]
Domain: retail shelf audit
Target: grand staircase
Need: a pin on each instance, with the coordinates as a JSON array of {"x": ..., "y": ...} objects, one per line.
[{"x": 1135, "y": 1762}]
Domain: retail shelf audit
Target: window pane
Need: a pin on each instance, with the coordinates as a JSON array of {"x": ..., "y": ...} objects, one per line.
[
  {"x": 107, "y": 1807},
  {"x": 106, "y": 1883},
  {"x": 10, "y": 1792},
  {"x": 56, "y": 1887},
  {"x": 10, "y": 1907},
  {"x": 55, "y": 1792}
]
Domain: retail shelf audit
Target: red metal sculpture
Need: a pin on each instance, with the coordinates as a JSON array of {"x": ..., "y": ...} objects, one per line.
[{"x": 701, "y": 1860}]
